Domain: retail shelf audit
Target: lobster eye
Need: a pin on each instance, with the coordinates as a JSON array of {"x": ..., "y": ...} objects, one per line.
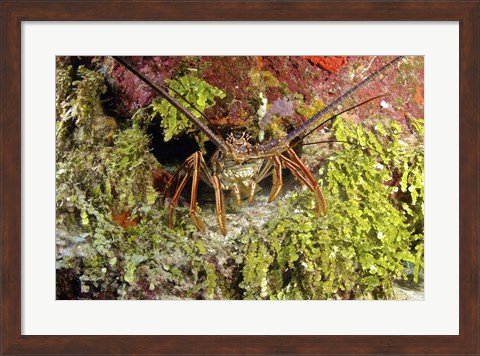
[{"x": 237, "y": 138}]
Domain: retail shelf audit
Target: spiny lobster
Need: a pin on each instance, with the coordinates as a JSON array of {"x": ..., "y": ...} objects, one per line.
[{"x": 237, "y": 165}]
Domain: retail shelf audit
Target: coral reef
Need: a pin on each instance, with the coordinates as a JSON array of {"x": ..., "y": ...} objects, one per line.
[{"x": 112, "y": 238}]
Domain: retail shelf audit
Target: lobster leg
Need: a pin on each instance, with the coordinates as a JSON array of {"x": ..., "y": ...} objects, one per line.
[
  {"x": 195, "y": 166},
  {"x": 277, "y": 178},
  {"x": 175, "y": 176},
  {"x": 217, "y": 185},
  {"x": 237, "y": 195},
  {"x": 219, "y": 204},
  {"x": 174, "y": 200},
  {"x": 298, "y": 168},
  {"x": 197, "y": 163},
  {"x": 252, "y": 186},
  {"x": 297, "y": 172},
  {"x": 264, "y": 171}
]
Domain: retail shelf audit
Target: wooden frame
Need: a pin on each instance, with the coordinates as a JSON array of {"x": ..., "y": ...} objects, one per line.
[{"x": 14, "y": 12}]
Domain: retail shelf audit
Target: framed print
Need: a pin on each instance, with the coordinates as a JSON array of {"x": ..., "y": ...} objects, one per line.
[{"x": 97, "y": 66}]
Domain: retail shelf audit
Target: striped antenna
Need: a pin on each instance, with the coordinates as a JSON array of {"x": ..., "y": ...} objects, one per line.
[{"x": 217, "y": 140}]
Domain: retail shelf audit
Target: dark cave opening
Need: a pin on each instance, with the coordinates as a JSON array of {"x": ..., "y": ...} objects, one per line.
[{"x": 177, "y": 150}]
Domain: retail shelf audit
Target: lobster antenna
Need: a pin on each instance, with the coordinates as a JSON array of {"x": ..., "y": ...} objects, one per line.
[
  {"x": 349, "y": 143},
  {"x": 326, "y": 141},
  {"x": 315, "y": 120},
  {"x": 341, "y": 141},
  {"x": 338, "y": 114},
  {"x": 217, "y": 140},
  {"x": 165, "y": 87}
]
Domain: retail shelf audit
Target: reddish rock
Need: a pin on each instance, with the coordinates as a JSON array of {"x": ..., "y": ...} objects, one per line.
[
  {"x": 419, "y": 95},
  {"x": 287, "y": 78},
  {"x": 131, "y": 92},
  {"x": 330, "y": 63}
]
